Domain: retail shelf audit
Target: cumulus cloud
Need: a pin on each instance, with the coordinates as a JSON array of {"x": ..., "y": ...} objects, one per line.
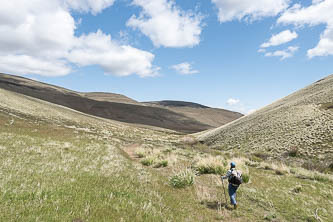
[
  {"x": 37, "y": 37},
  {"x": 166, "y": 24},
  {"x": 24, "y": 64},
  {"x": 229, "y": 10},
  {"x": 232, "y": 101},
  {"x": 98, "y": 48},
  {"x": 238, "y": 106},
  {"x": 280, "y": 38},
  {"x": 184, "y": 68},
  {"x": 93, "y": 6},
  {"x": 319, "y": 12},
  {"x": 284, "y": 54}
]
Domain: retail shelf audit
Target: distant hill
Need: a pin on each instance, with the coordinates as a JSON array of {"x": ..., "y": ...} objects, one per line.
[
  {"x": 204, "y": 114},
  {"x": 109, "y": 97},
  {"x": 301, "y": 123},
  {"x": 108, "y": 105},
  {"x": 172, "y": 103}
]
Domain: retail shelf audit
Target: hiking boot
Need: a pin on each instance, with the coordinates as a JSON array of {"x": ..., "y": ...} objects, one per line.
[{"x": 235, "y": 206}]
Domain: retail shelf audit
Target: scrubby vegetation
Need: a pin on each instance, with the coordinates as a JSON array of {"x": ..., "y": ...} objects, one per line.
[
  {"x": 56, "y": 164},
  {"x": 147, "y": 161},
  {"x": 183, "y": 179},
  {"x": 211, "y": 165}
]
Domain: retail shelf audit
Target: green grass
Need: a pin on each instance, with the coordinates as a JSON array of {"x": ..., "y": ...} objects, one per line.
[
  {"x": 52, "y": 173},
  {"x": 183, "y": 179},
  {"x": 147, "y": 162},
  {"x": 209, "y": 169},
  {"x": 162, "y": 163},
  {"x": 59, "y": 174}
]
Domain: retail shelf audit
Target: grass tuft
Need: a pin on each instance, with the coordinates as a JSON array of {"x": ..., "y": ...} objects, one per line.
[
  {"x": 163, "y": 163},
  {"x": 183, "y": 179},
  {"x": 211, "y": 165},
  {"x": 246, "y": 178},
  {"x": 147, "y": 162}
]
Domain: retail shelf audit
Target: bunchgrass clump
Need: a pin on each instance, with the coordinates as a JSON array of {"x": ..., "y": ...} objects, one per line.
[
  {"x": 210, "y": 165},
  {"x": 209, "y": 169},
  {"x": 297, "y": 189},
  {"x": 147, "y": 161},
  {"x": 246, "y": 178},
  {"x": 183, "y": 179},
  {"x": 163, "y": 163}
]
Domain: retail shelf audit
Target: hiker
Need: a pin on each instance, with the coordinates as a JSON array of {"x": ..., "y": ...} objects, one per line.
[{"x": 235, "y": 179}]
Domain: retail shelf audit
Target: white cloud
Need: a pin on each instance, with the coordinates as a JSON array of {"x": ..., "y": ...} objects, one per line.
[
  {"x": 37, "y": 37},
  {"x": 280, "y": 38},
  {"x": 320, "y": 12},
  {"x": 32, "y": 65},
  {"x": 232, "y": 102},
  {"x": 93, "y": 6},
  {"x": 238, "y": 106},
  {"x": 284, "y": 54},
  {"x": 166, "y": 24},
  {"x": 98, "y": 48},
  {"x": 184, "y": 68},
  {"x": 248, "y": 10}
]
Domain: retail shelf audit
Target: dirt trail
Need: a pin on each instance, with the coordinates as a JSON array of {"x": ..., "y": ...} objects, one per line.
[{"x": 130, "y": 150}]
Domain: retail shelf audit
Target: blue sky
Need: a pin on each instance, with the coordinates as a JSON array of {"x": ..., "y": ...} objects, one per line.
[{"x": 238, "y": 55}]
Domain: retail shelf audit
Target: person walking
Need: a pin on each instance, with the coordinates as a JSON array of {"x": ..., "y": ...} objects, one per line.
[{"x": 235, "y": 179}]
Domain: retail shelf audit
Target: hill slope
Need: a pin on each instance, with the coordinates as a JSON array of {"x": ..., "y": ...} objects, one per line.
[
  {"x": 301, "y": 122},
  {"x": 59, "y": 164},
  {"x": 107, "y": 105},
  {"x": 204, "y": 114}
]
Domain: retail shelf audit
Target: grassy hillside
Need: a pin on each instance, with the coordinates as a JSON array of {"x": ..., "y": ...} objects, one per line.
[
  {"x": 206, "y": 115},
  {"x": 115, "y": 106},
  {"x": 299, "y": 126},
  {"x": 57, "y": 164}
]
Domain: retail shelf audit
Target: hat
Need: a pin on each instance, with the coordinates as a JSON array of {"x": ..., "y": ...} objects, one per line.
[{"x": 233, "y": 164}]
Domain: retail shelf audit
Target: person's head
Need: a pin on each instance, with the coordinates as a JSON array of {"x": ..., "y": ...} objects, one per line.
[{"x": 232, "y": 165}]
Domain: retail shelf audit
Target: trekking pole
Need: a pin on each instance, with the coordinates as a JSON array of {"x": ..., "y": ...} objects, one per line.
[{"x": 225, "y": 196}]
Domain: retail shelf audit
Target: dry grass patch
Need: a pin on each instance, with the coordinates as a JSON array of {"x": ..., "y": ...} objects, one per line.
[{"x": 210, "y": 165}]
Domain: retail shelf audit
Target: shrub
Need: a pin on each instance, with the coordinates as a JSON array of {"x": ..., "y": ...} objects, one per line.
[
  {"x": 246, "y": 178},
  {"x": 163, "y": 163},
  {"x": 147, "y": 161},
  {"x": 329, "y": 168},
  {"x": 280, "y": 172},
  {"x": 270, "y": 217},
  {"x": 183, "y": 179},
  {"x": 259, "y": 156},
  {"x": 140, "y": 155},
  {"x": 293, "y": 152},
  {"x": 297, "y": 189}
]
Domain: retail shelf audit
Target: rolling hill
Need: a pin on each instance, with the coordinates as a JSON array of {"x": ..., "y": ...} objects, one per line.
[
  {"x": 60, "y": 164},
  {"x": 119, "y": 107},
  {"x": 204, "y": 114},
  {"x": 300, "y": 124}
]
